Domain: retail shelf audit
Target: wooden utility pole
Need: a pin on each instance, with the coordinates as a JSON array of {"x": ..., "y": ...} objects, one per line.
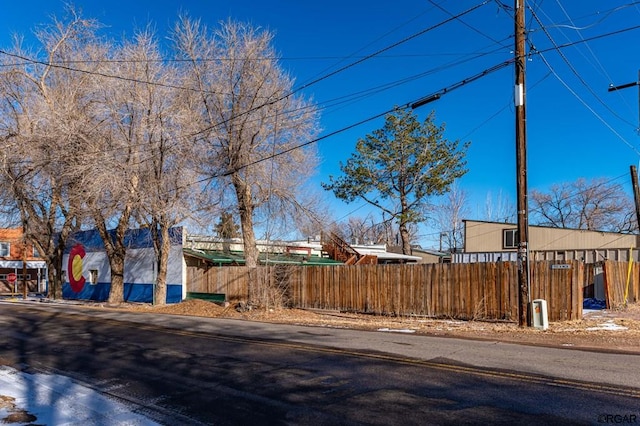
[
  {"x": 521, "y": 167},
  {"x": 634, "y": 171},
  {"x": 636, "y": 192},
  {"x": 24, "y": 265}
]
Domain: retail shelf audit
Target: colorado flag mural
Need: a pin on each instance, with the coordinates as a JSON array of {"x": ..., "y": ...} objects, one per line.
[{"x": 88, "y": 274}]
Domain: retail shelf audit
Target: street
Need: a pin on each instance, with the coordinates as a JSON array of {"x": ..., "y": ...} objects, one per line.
[{"x": 188, "y": 370}]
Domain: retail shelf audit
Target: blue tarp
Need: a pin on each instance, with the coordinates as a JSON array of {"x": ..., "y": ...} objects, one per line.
[{"x": 594, "y": 304}]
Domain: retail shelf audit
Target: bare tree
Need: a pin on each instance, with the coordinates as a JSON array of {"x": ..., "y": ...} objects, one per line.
[
  {"x": 316, "y": 220},
  {"x": 249, "y": 124},
  {"x": 43, "y": 141},
  {"x": 448, "y": 216},
  {"x": 111, "y": 132},
  {"x": 119, "y": 150},
  {"x": 165, "y": 162},
  {"x": 499, "y": 208},
  {"x": 596, "y": 204},
  {"x": 366, "y": 230}
]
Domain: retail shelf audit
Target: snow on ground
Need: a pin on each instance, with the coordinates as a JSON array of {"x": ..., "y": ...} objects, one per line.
[
  {"x": 51, "y": 399},
  {"x": 608, "y": 325}
]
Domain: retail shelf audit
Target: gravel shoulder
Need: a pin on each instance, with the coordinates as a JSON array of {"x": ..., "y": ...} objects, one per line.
[{"x": 601, "y": 330}]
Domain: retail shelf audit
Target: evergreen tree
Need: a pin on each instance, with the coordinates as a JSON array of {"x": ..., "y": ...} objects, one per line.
[
  {"x": 397, "y": 168},
  {"x": 227, "y": 227}
]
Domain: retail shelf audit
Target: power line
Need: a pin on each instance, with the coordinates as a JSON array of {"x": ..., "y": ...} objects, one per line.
[
  {"x": 398, "y": 43},
  {"x": 603, "y": 121},
  {"x": 464, "y": 23},
  {"x": 101, "y": 74},
  {"x": 598, "y": 63},
  {"x": 575, "y": 72},
  {"x": 351, "y": 126},
  {"x": 607, "y": 14},
  {"x": 372, "y": 42},
  {"x": 133, "y": 80}
]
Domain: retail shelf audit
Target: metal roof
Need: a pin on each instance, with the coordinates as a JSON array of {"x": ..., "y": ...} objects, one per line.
[{"x": 237, "y": 258}]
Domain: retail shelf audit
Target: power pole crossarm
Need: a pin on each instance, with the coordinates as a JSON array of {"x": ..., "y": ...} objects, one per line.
[{"x": 613, "y": 88}]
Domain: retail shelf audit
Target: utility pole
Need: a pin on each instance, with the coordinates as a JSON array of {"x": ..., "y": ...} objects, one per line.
[
  {"x": 636, "y": 192},
  {"x": 634, "y": 171},
  {"x": 24, "y": 262},
  {"x": 521, "y": 167}
]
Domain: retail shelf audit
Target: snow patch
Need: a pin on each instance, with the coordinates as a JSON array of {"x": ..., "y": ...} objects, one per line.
[
  {"x": 391, "y": 330},
  {"x": 609, "y": 325},
  {"x": 54, "y": 400}
]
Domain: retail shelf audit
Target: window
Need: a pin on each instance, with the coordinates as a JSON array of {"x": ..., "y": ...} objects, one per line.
[
  {"x": 93, "y": 276},
  {"x": 5, "y": 249},
  {"x": 510, "y": 238}
]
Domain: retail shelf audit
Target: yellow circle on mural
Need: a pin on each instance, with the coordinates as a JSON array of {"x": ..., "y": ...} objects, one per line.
[{"x": 77, "y": 267}]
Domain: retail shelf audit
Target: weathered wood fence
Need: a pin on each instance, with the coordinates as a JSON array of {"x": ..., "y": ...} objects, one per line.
[
  {"x": 621, "y": 283},
  {"x": 465, "y": 291}
]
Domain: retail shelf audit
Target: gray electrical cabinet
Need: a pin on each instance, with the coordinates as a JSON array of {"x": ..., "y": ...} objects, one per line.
[{"x": 539, "y": 316}]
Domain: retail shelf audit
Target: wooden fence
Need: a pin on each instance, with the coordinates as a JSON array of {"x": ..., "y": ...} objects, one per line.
[
  {"x": 465, "y": 291},
  {"x": 621, "y": 283}
]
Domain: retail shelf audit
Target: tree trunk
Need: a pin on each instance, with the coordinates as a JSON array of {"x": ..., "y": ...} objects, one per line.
[
  {"x": 402, "y": 224},
  {"x": 116, "y": 262},
  {"x": 116, "y": 251},
  {"x": 406, "y": 239},
  {"x": 245, "y": 206},
  {"x": 55, "y": 270},
  {"x": 54, "y": 289},
  {"x": 164, "y": 246}
]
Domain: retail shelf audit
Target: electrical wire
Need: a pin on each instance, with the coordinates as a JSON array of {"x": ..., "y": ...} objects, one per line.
[
  {"x": 474, "y": 29},
  {"x": 575, "y": 72},
  {"x": 602, "y": 120}
]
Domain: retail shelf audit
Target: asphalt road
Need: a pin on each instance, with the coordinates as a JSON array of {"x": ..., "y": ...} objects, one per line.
[{"x": 185, "y": 370}]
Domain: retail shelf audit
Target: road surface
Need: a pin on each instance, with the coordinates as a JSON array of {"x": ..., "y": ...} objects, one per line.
[{"x": 187, "y": 370}]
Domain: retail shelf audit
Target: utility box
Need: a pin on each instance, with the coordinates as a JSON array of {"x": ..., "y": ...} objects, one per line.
[{"x": 539, "y": 316}]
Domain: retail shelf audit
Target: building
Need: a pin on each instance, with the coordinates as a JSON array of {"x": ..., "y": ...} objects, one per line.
[
  {"x": 497, "y": 241},
  {"x": 15, "y": 255},
  {"x": 88, "y": 274},
  {"x": 308, "y": 252},
  {"x": 431, "y": 256}
]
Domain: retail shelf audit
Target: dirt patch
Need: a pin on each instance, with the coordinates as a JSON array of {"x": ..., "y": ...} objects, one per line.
[
  {"x": 14, "y": 415},
  {"x": 607, "y": 330}
]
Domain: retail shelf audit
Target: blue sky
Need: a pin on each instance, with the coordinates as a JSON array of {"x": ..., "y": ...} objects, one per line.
[{"x": 575, "y": 127}]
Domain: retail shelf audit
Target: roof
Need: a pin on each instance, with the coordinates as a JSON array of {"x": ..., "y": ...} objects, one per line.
[
  {"x": 431, "y": 252},
  {"x": 384, "y": 256},
  {"x": 237, "y": 258}
]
